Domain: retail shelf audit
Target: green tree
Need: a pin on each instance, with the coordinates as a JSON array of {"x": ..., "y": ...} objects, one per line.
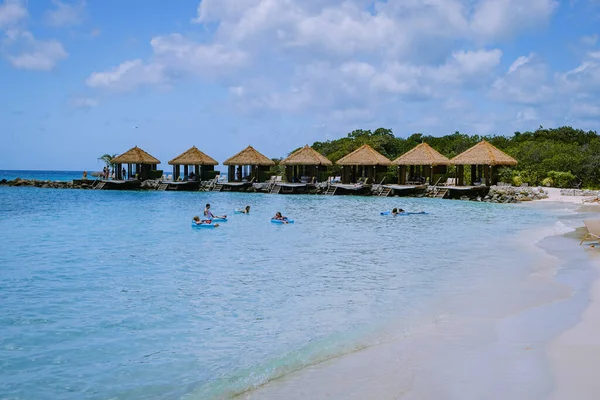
[{"x": 107, "y": 159}]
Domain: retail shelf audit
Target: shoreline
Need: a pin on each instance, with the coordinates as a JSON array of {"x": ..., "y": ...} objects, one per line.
[
  {"x": 550, "y": 363},
  {"x": 575, "y": 352}
]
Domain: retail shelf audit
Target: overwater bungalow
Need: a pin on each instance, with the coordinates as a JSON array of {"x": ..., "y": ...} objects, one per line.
[
  {"x": 139, "y": 164},
  {"x": 416, "y": 169},
  {"x": 246, "y": 167},
  {"x": 197, "y": 167},
  {"x": 361, "y": 167},
  {"x": 302, "y": 169},
  {"x": 484, "y": 159}
]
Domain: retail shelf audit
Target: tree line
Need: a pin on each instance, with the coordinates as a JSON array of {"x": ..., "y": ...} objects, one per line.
[{"x": 563, "y": 157}]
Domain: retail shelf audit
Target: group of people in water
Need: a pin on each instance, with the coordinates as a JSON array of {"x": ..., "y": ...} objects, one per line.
[{"x": 208, "y": 216}]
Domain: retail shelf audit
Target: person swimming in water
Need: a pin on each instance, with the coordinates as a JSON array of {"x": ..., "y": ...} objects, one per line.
[
  {"x": 198, "y": 221},
  {"x": 245, "y": 210},
  {"x": 397, "y": 211},
  {"x": 209, "y": 216},
  {"x": 280, "y": 217}
]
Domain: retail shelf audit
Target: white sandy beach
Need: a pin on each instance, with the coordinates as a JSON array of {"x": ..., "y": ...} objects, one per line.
[
  {"x": 575, "y": 354},
  {"x": 503, "y": 367},
  {"x": 555, "y": 196}
]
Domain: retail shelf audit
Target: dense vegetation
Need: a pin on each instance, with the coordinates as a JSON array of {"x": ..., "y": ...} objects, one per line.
[{"x": 563, "y": 157}]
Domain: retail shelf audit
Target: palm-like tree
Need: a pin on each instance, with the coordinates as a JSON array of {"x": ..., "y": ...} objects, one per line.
[{"x": 107, "y": 159}]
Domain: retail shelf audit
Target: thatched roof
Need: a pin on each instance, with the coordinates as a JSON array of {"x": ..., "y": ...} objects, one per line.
[
  {"x": 135, "y": 155},
  {"x": 483, "y": 153},
  {"x": 249, "y": 156},
  {"x": 364, "y": 155},
  {"x": 422, "y": 154},
  {"x": 306, "y": 156},
  {"x": 193, "y": 157}
]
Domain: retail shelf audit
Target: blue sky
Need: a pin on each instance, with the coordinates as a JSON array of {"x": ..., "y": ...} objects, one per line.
[{"x": 82, "y": 78}]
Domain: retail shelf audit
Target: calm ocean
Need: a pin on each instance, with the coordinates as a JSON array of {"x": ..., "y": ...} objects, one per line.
[{"x": 110, "y": 294}]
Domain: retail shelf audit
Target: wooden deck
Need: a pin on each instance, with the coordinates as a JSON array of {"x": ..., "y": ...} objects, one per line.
[
  {"x": 294, "y": 188},
  {"x": 184, "y": 186},
  {"x": 351, "y": 189},
  {"x": 455, "y": 192},
  {"x": 405, "y": 190}
]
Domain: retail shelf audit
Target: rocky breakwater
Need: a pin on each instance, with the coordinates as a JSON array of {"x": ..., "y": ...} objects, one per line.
[
  {"x": 150, "y": 184},
  {"x": 510, "y": 194},
  {"x": 46, "y": 184}
]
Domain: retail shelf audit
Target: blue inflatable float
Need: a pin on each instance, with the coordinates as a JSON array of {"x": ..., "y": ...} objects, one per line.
[
  {"x": 219, "y": 220},
  {"x": 195, "y": 225},
  {"x": 403, "y": 214},
  {"x": 279, "y": 221}
]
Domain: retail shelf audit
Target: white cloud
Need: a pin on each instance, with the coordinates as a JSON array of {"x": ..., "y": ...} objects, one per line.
[
  {"x": 501, "y": 18},
  {"x": 35, "y": 54},
  {"x": 528, "y": 81},
  {"x": 173, "y": 55},
  {"x": 360, "y": 59},
  {"x": 65, "y": 14},
  {"x": 128, "y": 75},
  {"x": 594, "y": 54},
  {"x": 519, "y": 62},
  {"x": 11, "y": 13},
  {"x": 19, "y": 45}
]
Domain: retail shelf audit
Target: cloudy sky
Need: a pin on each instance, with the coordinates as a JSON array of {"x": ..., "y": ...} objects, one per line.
[{"x": 82, "y": 78}]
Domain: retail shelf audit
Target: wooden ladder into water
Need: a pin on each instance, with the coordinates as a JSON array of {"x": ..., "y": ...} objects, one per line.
[
  {"x": 100, "y": 185},
  {"x": 275, "y": 189},
  {"x": 440, "y": 193},
  {"x": 331, "y": 190},
  {"x": 217, "y": 188},
  {"x": 162, "y": 187},
  {"x": 385, "y": 192}
]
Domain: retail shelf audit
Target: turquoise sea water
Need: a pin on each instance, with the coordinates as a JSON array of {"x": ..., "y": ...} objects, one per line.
[
  {"x": 44, "y": 175},
  {"x": 113, "y": 295}
]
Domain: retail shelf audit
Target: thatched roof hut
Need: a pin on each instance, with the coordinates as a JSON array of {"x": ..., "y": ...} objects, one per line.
[
  {"x": 251, "y": 166},
  {"x": 193, "y": 156},
  {"x": 422, "y": 154},
  {"x": 363, "y": 165},
  {"x": 306, "y": 156},
  {"x": 203, "y": 165},
  {"x": 423, "y": 162},
  {"x": 305, "y": 165},
  {"x": 135, "y": 155},
  {"x": 143, "y": 162},
  {"x": 364, "y": 156},
  {"x": 484, "y": 159},
  {"x": 249, "y": 156},
  {"x": 483, "y": 153}
]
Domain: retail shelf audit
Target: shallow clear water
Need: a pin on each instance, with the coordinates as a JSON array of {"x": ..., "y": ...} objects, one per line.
[{"x": 113, "y": 294}]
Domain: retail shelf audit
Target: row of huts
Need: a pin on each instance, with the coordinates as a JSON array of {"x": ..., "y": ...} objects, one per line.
[{"x": 365, "y": 164}]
